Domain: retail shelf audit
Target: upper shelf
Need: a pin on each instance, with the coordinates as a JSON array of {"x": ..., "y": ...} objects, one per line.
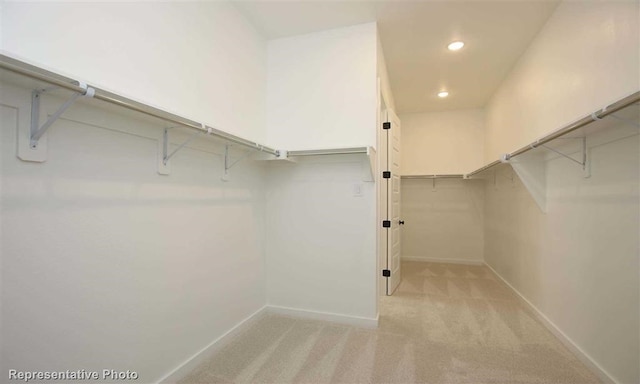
[
  {"x": 330, "y": 151},
  {"x": 590, "y": 123},
  {"x": 31, "y": 76},
  {"x": 38, "y": 74},
  {"x": 444, "y": 176},
  {"x": 369, "y": 166}
]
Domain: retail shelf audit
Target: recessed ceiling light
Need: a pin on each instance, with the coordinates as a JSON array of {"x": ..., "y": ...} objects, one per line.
[
  {"x": 443, "y": 94},
  {"x": 456, "y": 45}
]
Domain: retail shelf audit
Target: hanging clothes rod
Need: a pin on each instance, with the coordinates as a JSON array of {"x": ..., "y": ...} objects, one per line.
[
  {"x": 36, "y": 73},
  {"x": 595, "y": 116},
  {"x": 451, "y": 176},
  {"x": 332, "y": 151}
]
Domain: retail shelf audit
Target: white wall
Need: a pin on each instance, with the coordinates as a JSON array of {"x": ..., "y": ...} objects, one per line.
[
  {"x": 322, "y": 89},
  {"x": 444, "y": 224},
  {"x": 108, "y": 265},
  {"x": 151, "y": 268},
  {"x": 450, "y": 142},
  {"x": 321, "y": 249},
  {"x": 383, "y": 75},
  {"x": 321, "y": 238},
  {"x": 579, "y": 263},
  {"x": 201, "y": 60},
  {"x": 586, "y": 57}
]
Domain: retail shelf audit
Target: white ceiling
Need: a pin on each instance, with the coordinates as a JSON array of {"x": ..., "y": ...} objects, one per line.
[{"x": 414, "y": 38}]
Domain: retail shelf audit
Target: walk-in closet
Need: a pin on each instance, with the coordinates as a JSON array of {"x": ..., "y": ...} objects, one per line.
[{"x": 320, "y": 192}]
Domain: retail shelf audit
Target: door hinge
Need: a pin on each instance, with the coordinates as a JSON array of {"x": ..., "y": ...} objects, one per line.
[
  {"x": 386, "y": 125},
  {"x": 386, "y": 223},
  {"x": 386, "y": 273},
  {"x": 386, "y": 174}
]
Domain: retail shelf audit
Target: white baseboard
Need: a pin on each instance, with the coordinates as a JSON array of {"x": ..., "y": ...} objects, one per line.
[
  {"x": 325, "y": 316},
  {"x": 191, "y": 363},
  {"x": 435, "y": 260},
  {"x": 564, "y": 339}
]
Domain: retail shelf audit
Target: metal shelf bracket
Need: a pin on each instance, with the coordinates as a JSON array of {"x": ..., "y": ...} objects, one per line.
[
  {"x": 583, "y": 162},
  {"x": 227, "y": 158},
  {"x": 228, "y": 164},
  {"x": 36, "y": 129},
  {"x": 166, "y": 156}
]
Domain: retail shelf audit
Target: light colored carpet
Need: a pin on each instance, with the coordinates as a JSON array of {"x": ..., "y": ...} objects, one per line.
[{"x": 446, "y": 323}]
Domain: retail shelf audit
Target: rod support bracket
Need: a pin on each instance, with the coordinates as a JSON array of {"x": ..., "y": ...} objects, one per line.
[
  {"x": 166, "y": 156},
  {"x": 38, "y": 130},
  {"x": 228, "y": 164},
  {"x": 584, "y": 161},
  {"x": 226, "y": 161}
]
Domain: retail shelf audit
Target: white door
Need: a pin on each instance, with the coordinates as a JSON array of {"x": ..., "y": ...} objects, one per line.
[{"x": 393, "y": 205}]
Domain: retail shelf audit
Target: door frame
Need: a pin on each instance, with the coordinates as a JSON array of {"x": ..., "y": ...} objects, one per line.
[
  {"x": 381, "y": 192},
  {"x": 394, "y": 201}
]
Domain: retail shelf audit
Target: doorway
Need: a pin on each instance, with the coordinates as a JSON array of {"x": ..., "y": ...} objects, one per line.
[{"x": 390, "y": 246}]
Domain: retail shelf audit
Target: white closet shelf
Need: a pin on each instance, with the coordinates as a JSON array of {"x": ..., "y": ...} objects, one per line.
[
  {"x": 442, "y": 176},
  {"x": 368, "y": 164},
  {"x": 571, "y": 142},
  {"x": 331, "y": 151},
  {"x": 40, "y": 75},
  {"x": 596, "y": 116},
  {"x": 41, "y": 80}
]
